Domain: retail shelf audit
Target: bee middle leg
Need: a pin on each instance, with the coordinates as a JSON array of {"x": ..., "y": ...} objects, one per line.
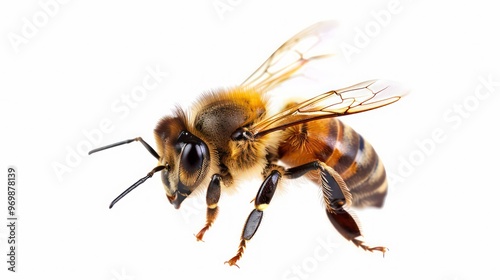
[
  {"x": 262, "y": 200},
  {"x": 213, "y": 195}
]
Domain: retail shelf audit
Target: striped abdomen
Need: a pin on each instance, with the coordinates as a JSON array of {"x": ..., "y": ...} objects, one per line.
[{"x": 342, "y": 148}]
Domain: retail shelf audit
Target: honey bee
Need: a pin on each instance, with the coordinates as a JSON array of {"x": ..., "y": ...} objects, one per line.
[{"x": 229, "y": 134}]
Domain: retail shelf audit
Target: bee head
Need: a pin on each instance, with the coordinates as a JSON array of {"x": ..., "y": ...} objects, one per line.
[
  {"x": 186, "y": 155},
  {"x": 183, "y": 159}
]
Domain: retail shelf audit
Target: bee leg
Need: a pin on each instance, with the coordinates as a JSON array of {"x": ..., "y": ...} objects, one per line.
[
  {"x": 341, "y": 220},
  {"x": 347, "y": 226},
  {"x": 213, "y": 195},
  {"x": 262, "y": 200},
  {"x": 336, "y": 195}
]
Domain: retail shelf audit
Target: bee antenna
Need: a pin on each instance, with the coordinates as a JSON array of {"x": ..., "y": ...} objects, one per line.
[
  {"x": 146, "y": 145},
  {"x": 136, "y": 184}
]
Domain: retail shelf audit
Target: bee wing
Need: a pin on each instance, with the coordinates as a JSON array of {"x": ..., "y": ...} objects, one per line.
[
  {"x": 290, "y": 57},
  {"x": 358, "y": 98}
]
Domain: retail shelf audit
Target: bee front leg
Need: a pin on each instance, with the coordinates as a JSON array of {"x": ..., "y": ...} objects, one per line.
[
  {"x": 262, "y": 200},
  {"x": 213, "y": 195}
]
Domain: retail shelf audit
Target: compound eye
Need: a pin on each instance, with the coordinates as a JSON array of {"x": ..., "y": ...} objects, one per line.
[{"x": 192, "y": 157}]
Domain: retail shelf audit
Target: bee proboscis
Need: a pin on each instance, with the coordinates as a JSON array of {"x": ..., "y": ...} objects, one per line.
[{"x": 230, "y": 133}]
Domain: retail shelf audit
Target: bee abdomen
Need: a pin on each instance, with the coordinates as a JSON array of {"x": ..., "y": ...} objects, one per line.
[
  {"x": 358, "y": 164},
  {"x": 342, "y": 148}
]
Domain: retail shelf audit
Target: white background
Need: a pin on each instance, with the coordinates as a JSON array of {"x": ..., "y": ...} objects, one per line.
[{"x": 65, "y": 74}]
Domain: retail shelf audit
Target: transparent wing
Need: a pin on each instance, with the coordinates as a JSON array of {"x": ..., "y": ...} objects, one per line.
[
  {"x": 358, "y": 98},
  {"x": 290, "y": 57}
]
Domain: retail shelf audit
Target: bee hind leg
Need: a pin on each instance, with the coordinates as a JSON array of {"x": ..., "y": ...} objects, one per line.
[
  {"x": 336, "y": 195},
  {"x": 213, "y": 195},
  {"x": 340, "y": 218},
  {"x": 347, "y": 226}
]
